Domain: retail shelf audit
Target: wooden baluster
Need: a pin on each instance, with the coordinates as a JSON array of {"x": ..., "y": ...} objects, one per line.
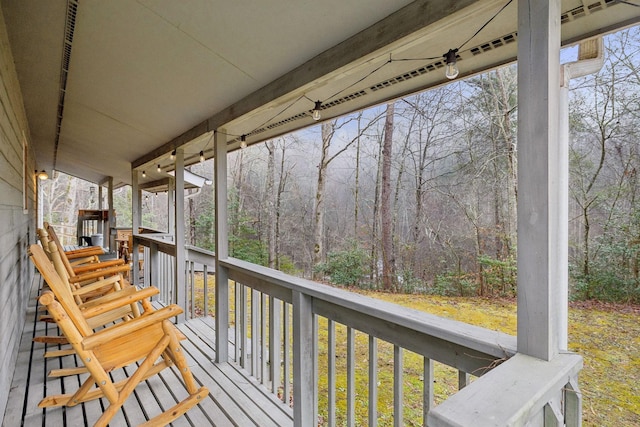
[
  {"x": 398, "y": 398},
  {"x": 373, "y": 381}
]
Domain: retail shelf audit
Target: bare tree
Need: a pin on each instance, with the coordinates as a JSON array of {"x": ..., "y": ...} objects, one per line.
[{"x": 389, "y": 281}]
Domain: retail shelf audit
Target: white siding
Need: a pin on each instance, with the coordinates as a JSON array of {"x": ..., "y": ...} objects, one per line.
[{"x": 16, "y": 226}]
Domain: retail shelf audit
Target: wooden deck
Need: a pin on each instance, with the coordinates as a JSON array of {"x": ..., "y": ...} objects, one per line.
[{"x": 235, "y": 399}]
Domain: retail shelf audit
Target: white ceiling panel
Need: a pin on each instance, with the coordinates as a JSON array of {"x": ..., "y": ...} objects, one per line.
[{"x": 148, "y": 75}]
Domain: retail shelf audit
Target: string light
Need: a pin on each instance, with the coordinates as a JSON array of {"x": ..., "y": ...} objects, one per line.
[
  {"x": 159, "y": 169},
  {"x": 144, "y": 174},
  {"x": 317, "y": 115},
  {"x": 451, "y": 70}
]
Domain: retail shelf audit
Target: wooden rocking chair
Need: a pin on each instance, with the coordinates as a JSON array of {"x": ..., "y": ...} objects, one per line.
[
  {"x": 80, "y": 262},
  {"x": 84, "y": 251},
  {"x": 101, "y": 309},
  {"x": 151, "y": 340}
]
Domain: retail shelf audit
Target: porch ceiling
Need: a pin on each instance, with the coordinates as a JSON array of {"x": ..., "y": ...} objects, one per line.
[{"x": 146, "y": 76}]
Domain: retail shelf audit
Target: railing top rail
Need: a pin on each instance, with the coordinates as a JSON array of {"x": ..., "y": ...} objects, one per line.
[
  {"x": 202, "y": 251},
  {"x": 166, "y": 246},
  {"x": 200, "y": 255},
  {"x": 482, "y": 340},
  {"x": 510, "y": 394}
]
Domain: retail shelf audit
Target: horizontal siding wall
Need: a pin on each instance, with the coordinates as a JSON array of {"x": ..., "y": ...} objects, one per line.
[{"x": 16, "y": 224}]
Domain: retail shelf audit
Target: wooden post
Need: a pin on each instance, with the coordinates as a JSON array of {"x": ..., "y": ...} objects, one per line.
[
  {"x": 304, "y": 371},
  {"x": 136, "y": 221},
  {"x": 275, "y": 343},
  {"x": 153, "y": 265},
  {"x": 222, "y": 249},
  {"x": 539, "y": 222},
  {"x": 180, "y": 290},
  {"x": 112, "y": 215},
  {"x": 171, "y": 194},
  {"x": 100, "y": 229}
]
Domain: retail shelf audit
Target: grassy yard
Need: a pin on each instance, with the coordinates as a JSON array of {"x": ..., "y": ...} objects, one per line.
[{"x": 607, "y": 336}]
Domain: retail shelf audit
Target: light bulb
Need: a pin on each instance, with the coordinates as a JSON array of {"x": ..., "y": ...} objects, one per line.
[
  {"x": 201, "y": 156},
  {"x": 316, "y": 111},
  {"x": 42, "y": 175},
  {"x": 451, "y": 69},
  {"x": 243, "y": 141},
  {"x": 173, "y": 155},
  {"x": 144, "y": 174},
  {"x": 159, "y": 169}
]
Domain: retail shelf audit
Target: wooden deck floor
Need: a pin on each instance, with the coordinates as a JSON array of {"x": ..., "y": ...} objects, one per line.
[{"x": 235, "y": 399}]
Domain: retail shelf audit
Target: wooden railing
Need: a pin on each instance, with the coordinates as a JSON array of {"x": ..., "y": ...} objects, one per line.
[
  {"x": 277, "y": 317},
  {"x": 157, "y": 268},
  {"x": 285, "y": 331}
]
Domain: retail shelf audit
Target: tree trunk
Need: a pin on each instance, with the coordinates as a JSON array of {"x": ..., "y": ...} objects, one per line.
[
  {"x": 356, "y": 191},
  {"x": 269, "y": 199},
  {"x": 282, "y": 182},
  {"x": 318, "y": 235},
  {"x": 192, "y": 223},
  {"x": 388, "y": 257}
]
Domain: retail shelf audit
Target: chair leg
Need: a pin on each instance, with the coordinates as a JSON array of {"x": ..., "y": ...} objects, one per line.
[
  {"x": 65, "y": 372},
  {"x": 65, "y": 399},
  {"x": 179, "y": 359},
  {"x": 178, "y": 410}
]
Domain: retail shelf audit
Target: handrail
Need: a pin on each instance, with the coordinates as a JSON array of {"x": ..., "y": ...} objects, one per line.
[
  {"x": 516, "y": 392},
  {"x": 398, "y": 325},
  {"x": 160, "y": 239},
  {"x": 276, "y": 316}
]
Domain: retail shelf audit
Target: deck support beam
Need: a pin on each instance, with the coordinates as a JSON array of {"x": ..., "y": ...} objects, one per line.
[
  {"x": 222, "y": 248},
  {"x": 304, "y": 370},
  {"x": 180, "y": 292},
  {"x": 541, "y": 230},
  {"x": 112, "y": 216},
  {"x": 136, "y": 222}
]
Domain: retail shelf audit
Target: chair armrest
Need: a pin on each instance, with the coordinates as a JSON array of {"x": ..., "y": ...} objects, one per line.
[
  {"x": 84, "y": 289},
  {"x": 76, "y": 262},
  {"x": 79, "y": 253},
  {"x": 125, "y": 328},
  {"x": 100, "y": 273},
  {"x": 97, "y": 265},
  {"x": 118, "y": 299}
]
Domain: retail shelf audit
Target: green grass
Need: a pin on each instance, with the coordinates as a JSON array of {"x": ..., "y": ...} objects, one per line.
[{"x": 607, "y": 336}]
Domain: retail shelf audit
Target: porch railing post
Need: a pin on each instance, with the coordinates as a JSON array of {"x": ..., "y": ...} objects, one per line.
[
  {"x": 180, "y": 291},
  {"x": 304, "y": 371},
  {"x": 541, "y": 230},
  {"x": 136, "y": 221},
  {"x": 154, "y": 272},
  {"x": 222, "y": 248}
]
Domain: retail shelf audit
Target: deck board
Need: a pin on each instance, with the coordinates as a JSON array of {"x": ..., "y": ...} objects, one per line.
[{"x": 235, "y": 399}]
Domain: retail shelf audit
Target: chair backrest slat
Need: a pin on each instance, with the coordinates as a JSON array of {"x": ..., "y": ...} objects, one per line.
[
  {"x": 53, "y": 237},
  {"x": 59, "y": 288}
]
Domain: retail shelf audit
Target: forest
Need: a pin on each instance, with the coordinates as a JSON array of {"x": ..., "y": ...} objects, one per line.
[{"x": 420, "y": 195}]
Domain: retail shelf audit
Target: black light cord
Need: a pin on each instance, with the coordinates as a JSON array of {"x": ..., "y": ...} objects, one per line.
[
  {"x": 389, "y": 61},
  {"x": 486, "y": 23}
]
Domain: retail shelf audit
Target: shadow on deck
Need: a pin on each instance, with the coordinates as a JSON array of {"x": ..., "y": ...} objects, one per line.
[{"x": 235, "y": 398}]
